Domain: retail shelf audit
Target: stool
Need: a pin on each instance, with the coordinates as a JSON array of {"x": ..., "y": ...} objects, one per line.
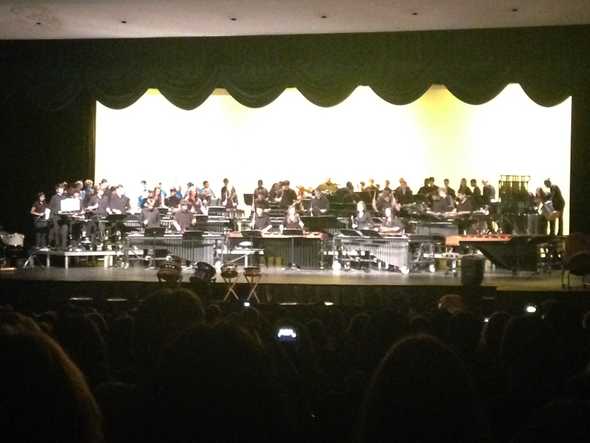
[
  {"x": 253, "y": 276},
  {"x": 230, "y": 276}
]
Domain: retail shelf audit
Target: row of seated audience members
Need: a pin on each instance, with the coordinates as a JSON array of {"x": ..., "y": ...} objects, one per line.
[{"x": 170, "y": 370}]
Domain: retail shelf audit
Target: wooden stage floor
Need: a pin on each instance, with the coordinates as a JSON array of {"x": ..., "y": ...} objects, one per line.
[{"x": 501, "y": 280}]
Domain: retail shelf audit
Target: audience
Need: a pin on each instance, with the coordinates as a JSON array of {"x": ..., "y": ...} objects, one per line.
[{"x": 171, "y": 370}]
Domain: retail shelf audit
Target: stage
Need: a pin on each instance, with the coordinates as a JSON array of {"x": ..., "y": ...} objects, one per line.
[{"x": 42, "y": 287}]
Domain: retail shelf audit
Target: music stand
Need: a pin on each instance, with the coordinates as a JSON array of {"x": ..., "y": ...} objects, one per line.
[
  {"x": 192, "y": 234},
  {"x": 370, "y": 233},
  {"x": 248, "y": 199}
]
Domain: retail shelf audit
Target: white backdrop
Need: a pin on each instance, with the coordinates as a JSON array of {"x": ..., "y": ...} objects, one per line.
[{"x": 363, "y": 137}]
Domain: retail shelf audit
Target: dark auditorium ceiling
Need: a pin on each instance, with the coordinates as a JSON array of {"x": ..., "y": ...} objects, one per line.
[{"x": 72, "y": 19}]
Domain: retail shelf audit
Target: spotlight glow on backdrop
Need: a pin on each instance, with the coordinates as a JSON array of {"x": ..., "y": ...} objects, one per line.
[{"x": 363, "y": 137}]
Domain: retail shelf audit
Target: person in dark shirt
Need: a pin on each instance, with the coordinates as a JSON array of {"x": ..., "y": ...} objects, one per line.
[
  {"x": 58, "y": 227},
  {"x": 464, "y": 203},
  {"x": 386, "y": 200},
  {"x": 442, "y": 202},
  {"x": 488, "y": 192},
  {"x": 450, "y": 191},
  {"x": 288, "y": 196},
  {"x": 463, "y": 188},
  {"x": 229, "y": 195},
  {"x": 403, "y": 193},
  {"x": 345, "y": 194},
  {"x": 98, "y": 204},
  {"x": 476, "y": 197},
  {"x": 150, "y": 214},
  {"x": 425, "y": 188},
  {"x": 173, "y": 199},
  {"x": 39, "y": 220},
  {"x": 558, "y": 202},
  {"x": 183, "y": 218},
  {"x": 260, "y": 220},
  {"x": 318, "y": 204},
  {"x": 260, "y": 195},
  {"x": 119, "y": 202}
]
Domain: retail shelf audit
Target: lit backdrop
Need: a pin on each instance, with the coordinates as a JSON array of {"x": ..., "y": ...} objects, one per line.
[{"x": 362, "y": 137}]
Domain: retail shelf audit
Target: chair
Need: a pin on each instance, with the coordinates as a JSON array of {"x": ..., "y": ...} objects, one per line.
[
  {"x": 576, "y": 258},
  {"x": 253, "y": 276},
  {"x": 229, "y": 274}
]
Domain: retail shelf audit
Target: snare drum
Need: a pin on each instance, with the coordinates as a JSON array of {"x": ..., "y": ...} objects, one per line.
[{"x": 14, "y": 240}]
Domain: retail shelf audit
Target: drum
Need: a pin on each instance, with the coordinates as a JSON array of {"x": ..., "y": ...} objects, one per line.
[
  {"x": 229, "y": 271},
  {"x": 14, "y": 240}
]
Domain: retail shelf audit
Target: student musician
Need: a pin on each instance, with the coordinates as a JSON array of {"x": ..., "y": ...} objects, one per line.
[
  {"x": 38, "y": 211},
  {"x": 96, "y": 209},
  {"x": 150, "y": 215},
  {"x": 58, "y": 227},
  {"x": 443, "y": 202},
  {"x": 287, "y": 195},
  {"x": 403, "y": 193},
  {"x": 291, "y": 220},
  {"x": 260, "y": 220},
  {"x": 183, "y": 218},
  {"x": 206, "y": 194},
  {"x": 319, "y": 203},
  {"x": 362, "y": 220},
  {"x": 229, "y": 196},
  {"x": 119, "y": 202},
  {"x": 558, "y": 202},
  {"x": 391, "y": 224},
  {"x": 260, "y": 195}
]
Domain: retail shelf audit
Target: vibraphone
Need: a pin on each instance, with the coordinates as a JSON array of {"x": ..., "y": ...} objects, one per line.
[
  {"x": 192, "y": 250},
  {"x": 302, "y": 250}
]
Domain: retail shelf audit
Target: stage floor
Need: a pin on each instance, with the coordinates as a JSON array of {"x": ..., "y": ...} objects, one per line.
[{"x": 501, "y": 280}]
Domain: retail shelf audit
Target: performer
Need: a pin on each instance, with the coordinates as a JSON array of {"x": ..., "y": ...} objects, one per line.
[
  {"x": 450, "y": 191},
  {"x": 386, "y": 200},
  {"x": 229, "y": 196},
  {"x": 345, "y": 194},
  {"x": 488, "y": 192},
  {"x": 260, "y": 195},
  {"x": 442, "y": 203},
  {"x": 390, "y": 223},
  {"x": 150, "y": 214},
  {"x": 39, "y": 213},
  {"x": 558, "y": 202},
  {"x": 476, "y": 197},
  {"x": 260, "y": 220},
  {"x": 173, "y": 199},
  {"x": 544, "y": 207},
  {"x": 318, "y": 204},
  {"x": 463, "y": 188},
  {"x": 119, "y": 202},
  {"x": 291, "y": 220},
  {"x": 287, "y": 195},
  {"x": 361, "y": 220},
  {"x": 206, "y": 194},
  {"x": 96, "y": 210},
  {"x": 403, "y": 193},
  {"x": 183, "y": 218},
  {"x": 58, "y": 227}
]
